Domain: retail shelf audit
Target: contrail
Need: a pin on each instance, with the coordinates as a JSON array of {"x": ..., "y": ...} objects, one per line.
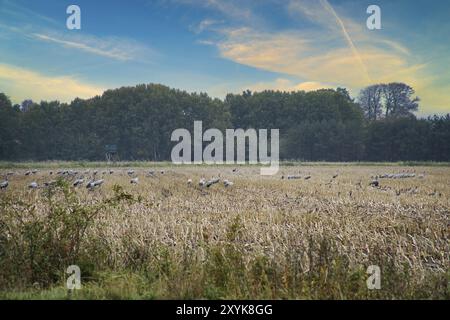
[{"x": 352, "y": 46}]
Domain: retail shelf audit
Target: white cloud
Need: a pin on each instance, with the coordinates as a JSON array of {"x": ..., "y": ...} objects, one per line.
[
  {"x": 116, "y": 48},
  {"x": 109, "y": 47},
  {"x": 281, "y": 84},
  {"x": 22, "y": 84},
  {"x": 204, "y": 25}
]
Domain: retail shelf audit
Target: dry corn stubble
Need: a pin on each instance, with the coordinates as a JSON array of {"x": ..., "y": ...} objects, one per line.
[{"x": 312, "y": 235}]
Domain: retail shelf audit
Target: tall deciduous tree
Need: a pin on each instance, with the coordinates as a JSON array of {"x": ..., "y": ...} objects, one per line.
[
  {"x": 400, "y": 100},
  {"x": 371, "y": 101},
  {"x": 393, "y": 100}
]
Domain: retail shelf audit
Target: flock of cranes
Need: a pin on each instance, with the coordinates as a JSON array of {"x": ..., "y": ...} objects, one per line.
[
  {"x": 203, "y": 183},
  {"x": 402, "y": 175},
  {"x": 296, "y": 177},
  {"x": 78, "y": 182},
  {"x": 373, "y": 183},
  {"x": 78, "y": 178}
]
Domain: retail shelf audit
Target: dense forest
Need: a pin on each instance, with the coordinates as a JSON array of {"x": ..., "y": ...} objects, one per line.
[{"x": 323, "y": 125}]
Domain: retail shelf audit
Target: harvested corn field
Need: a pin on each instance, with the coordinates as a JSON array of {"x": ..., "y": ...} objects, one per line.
[{"x": 310, "y": 232}]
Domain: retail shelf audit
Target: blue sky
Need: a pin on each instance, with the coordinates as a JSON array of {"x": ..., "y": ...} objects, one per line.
[{"x": 219, "y": 46}]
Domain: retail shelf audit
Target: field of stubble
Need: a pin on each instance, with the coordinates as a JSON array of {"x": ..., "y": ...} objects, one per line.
[{"x": 261, "y": 238}]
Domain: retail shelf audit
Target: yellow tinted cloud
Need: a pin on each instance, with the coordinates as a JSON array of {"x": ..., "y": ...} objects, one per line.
[
  {"x": 336, "y": 51},
  {"x": 23, "y": 84},
  {"x": 282, "y": 84},
  {"x": 300, "y": 54},
  {"x": 294, "y": 54}
]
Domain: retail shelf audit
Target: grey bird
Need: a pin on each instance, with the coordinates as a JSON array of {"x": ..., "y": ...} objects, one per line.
[
  {"x": 93, "y": 184},
  {"x": 50, "y": 183},
  {"x": 4, "y": 184},
  {"x": 212, "y": 182},
  {"x": 78, "y": 182},
  {"x": 374, "y": 183},
  {"x": 227, "y": 183},
  {"x": 33, "y": 185}
]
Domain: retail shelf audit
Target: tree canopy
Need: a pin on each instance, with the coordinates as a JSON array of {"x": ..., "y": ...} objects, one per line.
[{"x": 322, "y": 125}]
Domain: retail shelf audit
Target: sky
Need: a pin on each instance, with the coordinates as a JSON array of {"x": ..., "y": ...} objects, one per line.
[{"x": 221, "y": 47}]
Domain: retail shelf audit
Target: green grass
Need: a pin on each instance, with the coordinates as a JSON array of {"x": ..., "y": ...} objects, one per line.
[
  {"x": 78, "y": 164},
  {"x": 150, "y": 164},
  {"x": 223, "y": 278},
  {"x": 370, "y": 164}
]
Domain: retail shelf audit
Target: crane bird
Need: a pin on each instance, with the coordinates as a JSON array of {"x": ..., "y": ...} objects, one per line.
[
  {"x": 27, "y": 173},
  {"x": 33, "y": 185},
  {"x": 78, "y": 182},
  {"x": 202, "y": 182},
  {"x": 227, "y": 183},
  {"x": 134, "y": 180},
  {"x": 293, "y": 177},
  {"x": 374, "y": 183},
  {"x": 130, "y": 172},
  {"x": 92, "y": 184},
  {"x": 4, "y": 184},
  {"x": 50, "y": 183},
  {"x": 212, "y": 182},
  {"x": 34, "y": 171},
  {"x": 189, "y": 182}
]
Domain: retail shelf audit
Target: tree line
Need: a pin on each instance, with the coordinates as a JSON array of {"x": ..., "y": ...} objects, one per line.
[{"x": 322, "y": 125}]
